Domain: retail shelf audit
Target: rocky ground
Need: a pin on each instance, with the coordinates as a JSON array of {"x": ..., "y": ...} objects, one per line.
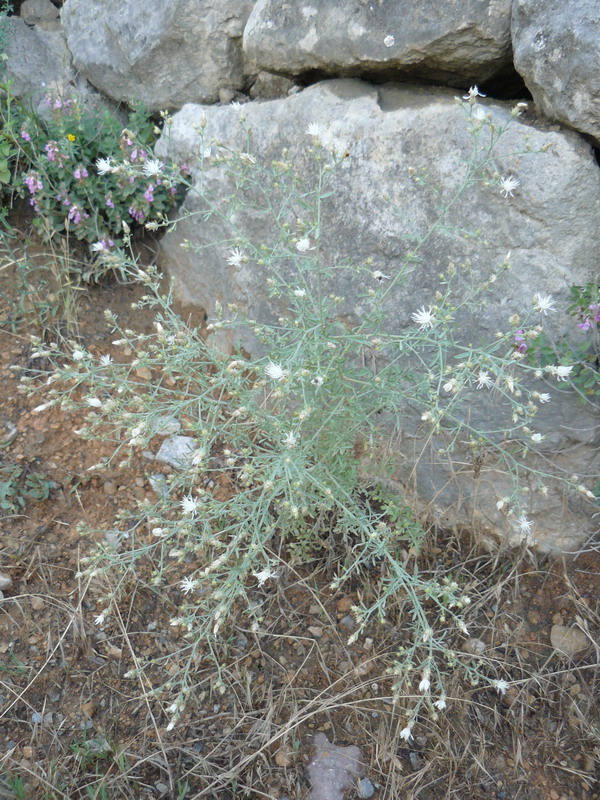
[{"x": 73, "y": 726}]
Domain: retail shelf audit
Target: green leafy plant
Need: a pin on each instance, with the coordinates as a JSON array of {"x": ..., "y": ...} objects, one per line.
[
  {"x": 291, "y": 438},
  {"x": 18, "y": 485}
]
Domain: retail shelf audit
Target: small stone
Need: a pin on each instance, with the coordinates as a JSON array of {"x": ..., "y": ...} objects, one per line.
[
  {"x": 348, "y": 622},
  {"x": 571, "y": 642},
  {"x": 36, "y": 718},
  {"x": 37, "y": 603},
  {"x": 474, "y": 646},
  {"x": 557, "y": 619},
  {"x": 158, "y": 483},
  {"x": 109, "y": 488},
  {"x": 315, "y": 631},
  {"x": 283, "y": 757},
  {"x": 345, "y": 604},
  {"x": 534, "y": 618},
  {"x": 161, "y": 787},
  {"x": 226, "y": 96},
  {"x": 177, "y": 451},
  {"x": 365, "y": 788},
  {"x": 5, "y": 581}
]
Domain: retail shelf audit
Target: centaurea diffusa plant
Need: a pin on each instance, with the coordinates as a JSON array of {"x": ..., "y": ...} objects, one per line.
[{"x": 285, "y": 437}]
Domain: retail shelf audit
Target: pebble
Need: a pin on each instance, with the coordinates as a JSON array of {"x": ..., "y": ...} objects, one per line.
[
  {"x": 345, "y": 604},
  {"x": 5, "y": 581},
  {"x": 474, "y": 646},
  {"x": 365, "y": 788},
  {"x": 283, "y": 757},
  {"x": 571, "y": 642},
  {"x": 315, "y": 631},
  {"x": 177, "y": 451},
  {"x": 348, "y": 622}
]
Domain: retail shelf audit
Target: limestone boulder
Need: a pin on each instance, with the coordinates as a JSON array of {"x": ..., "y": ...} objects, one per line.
[
  {"x": 557, "y": 52},
  {"x": 396, "y": 141},
  {"x": 163, "y": 53},
  {"x": 455, "y": 41}
]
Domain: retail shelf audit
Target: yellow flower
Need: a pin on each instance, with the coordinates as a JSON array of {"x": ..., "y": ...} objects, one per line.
[{"x": 70, "y": 137}]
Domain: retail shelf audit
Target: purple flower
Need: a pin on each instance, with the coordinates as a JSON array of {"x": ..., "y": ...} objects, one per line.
[
  {"x": 586, "y": 324},
  {"x": 51, "y": 149},
  {"x": 137, "y": 215},
  {"x": 520, "y": 342},
  {"x": 149, "y": 193},
  {"x": 109, "y": 201},
  {"x": 25, "y": 135},
  {"x": 77, "y": 214},
  {"x": 80, "y": 173}
]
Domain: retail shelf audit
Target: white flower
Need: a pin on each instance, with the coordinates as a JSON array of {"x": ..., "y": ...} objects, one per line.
[
  {"x": 303, "y": 245},
  {"x": 248, "y": 158},
  {"x": 537, "y": 437},
  {"x": 264, "y": 575},
  {"x": 187, "y": 585},
  {"x": 153, "y": 168},
  {"x": 379, "y": 276},
  {"x": 473, "y": 94},
  {"x": 290, "y": 439},
  {"x": 300, "y": 292},
  {"x": 483, "y": 379},
  {"x": 189, "y": 504},
  {"x": 406, "y": 733},
  {"x": 524, "y": 525},
  {"x": 479, "y": 113},
  {"x": 425, "y": 685},
  {"x": 440, "y": 704},
  {"x": 105, "y": 360},
  {"x": 236, "y": 257},
  {"x": 94, "y": 402},
  {"x": 450, "y": 386},
  {"x": 170, "y": 727},
  {"x": 315, "y": 129},
  {"x": 39, "y": 409},
  {"x": 424, "y": 317},
  {"x": 100, "y": 618},
  {"x": 389, "y": 41},
  {"x": 544, "y": 398},
  {"x": 543, "y": 303},
  {"x": 104, "y": 165},
  {"x": 97, "y": 247},
  {"x": 504, "y": 501},
  {"x": 501, "y": 687},
  {"x": 508, "y": 185},
  {"x": 274, "y": 371},
  {"x": 318, "y": 380},
  {"x": 78, "y": 355},
  {"x": 561, "y": 373}
]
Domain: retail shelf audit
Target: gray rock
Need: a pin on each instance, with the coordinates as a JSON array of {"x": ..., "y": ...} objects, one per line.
[
  {"x": 464, "y": 41},
  {"x": 164, "y": 54},
  {"x": 365, "y": 789},
  {"x": 557, "y": 51},
  {"x": 5, "y": 581},
  {"x": 332, "y": 769},
  {"x": 552, "y": 231},
  {"x": 39, "y": 65},
  {"x": 34, "y": 12},
  {"x": 268, "y": 86},
  {"x": 177, "y": 451},
  {"x": 571, "y": 642},
  {"x": 159, "y": 484},
  {"x": 166, "y": 426}
]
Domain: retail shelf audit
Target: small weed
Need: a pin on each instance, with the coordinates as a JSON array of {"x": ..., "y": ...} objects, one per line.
[{"x": 19, "y": 485}]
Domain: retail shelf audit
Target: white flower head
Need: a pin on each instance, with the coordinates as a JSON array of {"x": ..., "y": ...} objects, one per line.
[
  {"x": 100, "y": 619},
  {"x": 275, "y": 371},
  {"x": 406, "y": 733},
  {"x": 424, "y": 317},
  {"x": 104, "y": 165},
  {"x": 379, "y": 276},
  {"x": 544, "y": 397},
  {"x": 543, "y": 303},
  {"x": 189, "y": 505},
  {"x": 537, "y": 438},
  {"x": 473, "y": 94},
  {"x": 484, "y": 380},
  {"x": 561, "y": 373},
  {"x": 318, "y": 380},
  {"x": 236, "y": 257},
  {"x": 188, "y": 585},
  {"x": 524, "y": 525},
  {"x": 264, "y": 575},
  {"x": 300, "y": 292},
  {"x": 97, "y": 247},
  {"x": 508, "y": 185},
  {"x": 440, "y": 704},
  {"x": 389, "y": 41},
  {"x": 501, "y": 687},
  {"x": 153, "y": 168},
  {"x": 303, "y": 245},
  {"x": 78, "y": 355},
  {"x": 315, "y": 129},
  {"x": 93, "y": 402},
  {"x": 479, "y": 113},
  {"x": 105, "y": 360},
  {"x": 425, "y": 685},
  {"x": 290, "y": 439}
]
